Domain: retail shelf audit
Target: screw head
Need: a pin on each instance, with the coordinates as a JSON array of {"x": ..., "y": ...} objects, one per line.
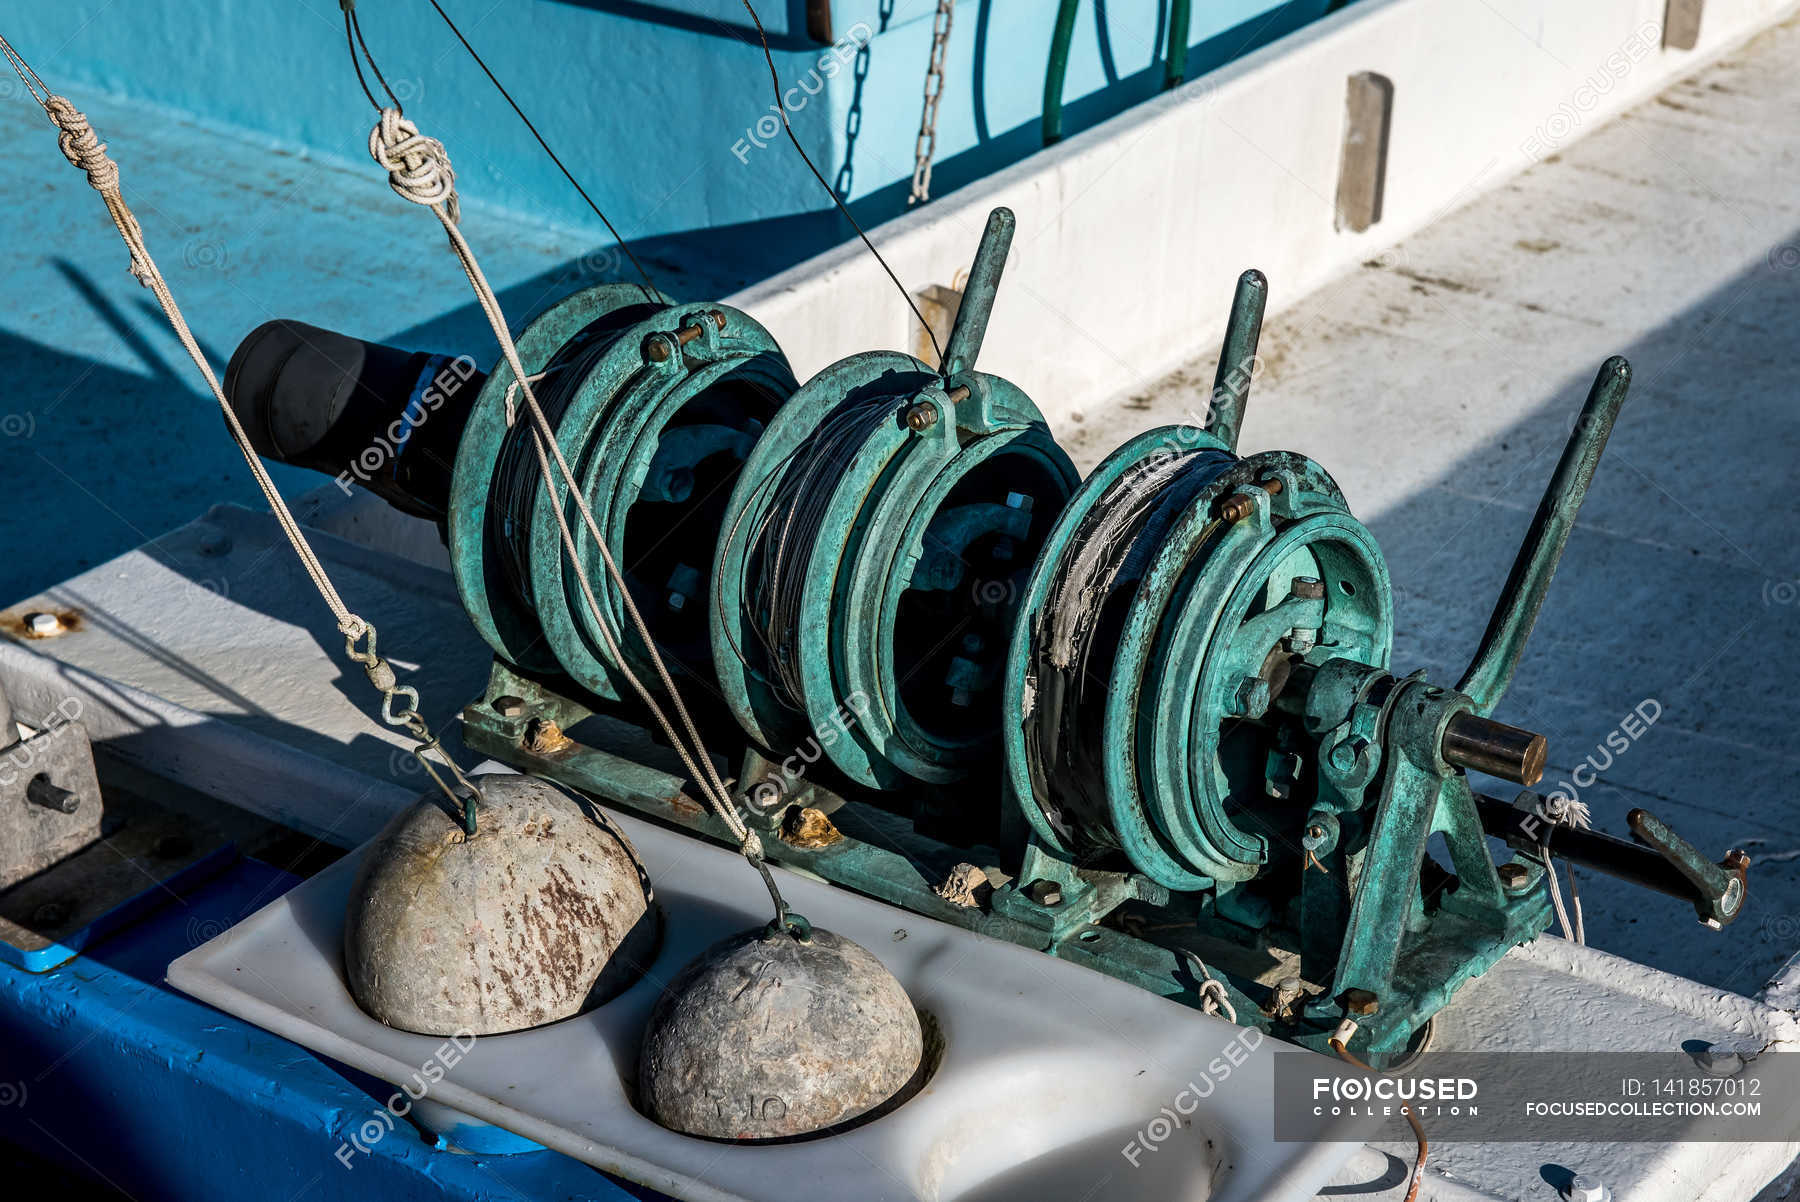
[
  {"x": 1514, "y": 875},
  {"x": 42, "y": 625},
  {"x": 921, "y": 417},
  {"x": 509, "y": 706},
  {"x": 1587, "y": 1188},
  {"x": 1044, "y": 892}
]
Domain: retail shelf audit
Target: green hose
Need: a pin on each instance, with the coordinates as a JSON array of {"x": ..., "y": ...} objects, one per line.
[
  {"x": 1175, "y": 68},
  {"x": 1058, "y": 70}
]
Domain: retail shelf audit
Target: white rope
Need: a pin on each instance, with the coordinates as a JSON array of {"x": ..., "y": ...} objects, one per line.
[
  {"x": 84, "y": 150},
  {"x": 1214, "y": 998},
  {"x": 419, "y": 170},
  {"x": 1558, "y": 810}
]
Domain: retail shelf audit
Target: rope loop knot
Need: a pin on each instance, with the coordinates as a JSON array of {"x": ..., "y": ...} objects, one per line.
[
  {"x": 85, "y": 151},
  {"x": 418, "y": 167},
  {"x": 81, "y": 145}
]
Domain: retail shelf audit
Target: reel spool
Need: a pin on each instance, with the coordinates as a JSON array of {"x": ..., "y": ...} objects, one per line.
[
  {"x": 872, "y": 553},
  {"x": 656, "y": 407},
  {"x": 1156, "y": 637}
]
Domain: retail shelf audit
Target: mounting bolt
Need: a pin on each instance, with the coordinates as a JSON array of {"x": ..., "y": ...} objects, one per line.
[
  {"x": 677, "y": 600},
  {"x": 1514, "y": 876},
  {"x": 42, "y": 625},
  {"x": 1307, "y": 588},
  {"x": 51, "y": 913},
  {"x": 1587, "y": 1188},
  {"x": 40, "y": 790},
  {"x": 1361, "y": 1002},
  {"x": 921, "y": 417},
  {"x": 1044, "y": 892},
  {"x": 1252, "y": 698},
  {"x": 509, "y": 706}
]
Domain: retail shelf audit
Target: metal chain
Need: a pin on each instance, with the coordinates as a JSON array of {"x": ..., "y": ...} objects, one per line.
[{"x": 926, "y": 146}]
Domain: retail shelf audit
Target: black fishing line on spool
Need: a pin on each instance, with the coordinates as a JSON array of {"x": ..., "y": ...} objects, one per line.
[
  {"x": 1075, "y": 635},
  {"x": 781, "y": 549},
  {"x": 517, "y": 483}
]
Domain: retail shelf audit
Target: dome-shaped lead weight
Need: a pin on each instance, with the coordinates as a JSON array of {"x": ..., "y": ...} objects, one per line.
[
  {"x": 774, "y": 1033},
  {"x": 543, "y": 912}
]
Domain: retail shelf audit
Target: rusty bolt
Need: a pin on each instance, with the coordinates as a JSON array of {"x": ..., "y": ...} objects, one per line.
[
  {"x": 1361, "y": 1002},
  {"x": 509, "y": 706},
  {"x": 1308, "y": 588},
  {"x": 1514, "y": 875},
  {"x": 1237, "y": 507},
  {"x": 1044, "y": 892},
  {"x": 921, "y": 417}
]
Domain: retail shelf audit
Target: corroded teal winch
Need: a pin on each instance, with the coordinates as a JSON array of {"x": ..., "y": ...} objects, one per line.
[
  {"x": 1146, "y": 721},
  {"x": 874, "y": 549},
  {"x": 656, "y": 407}
]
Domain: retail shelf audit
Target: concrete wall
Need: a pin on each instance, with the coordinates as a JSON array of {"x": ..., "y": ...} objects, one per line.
[{"x": 1130, "y": 236}]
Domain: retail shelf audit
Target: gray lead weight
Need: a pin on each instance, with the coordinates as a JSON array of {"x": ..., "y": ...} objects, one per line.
[{"x": 768, "y": 1035}]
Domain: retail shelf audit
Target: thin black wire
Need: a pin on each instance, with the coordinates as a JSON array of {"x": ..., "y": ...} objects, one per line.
[
  {"x": 775, "y": 79},
  {"x": 654, "y": 293},
  {"x": 353, "y": 35}
]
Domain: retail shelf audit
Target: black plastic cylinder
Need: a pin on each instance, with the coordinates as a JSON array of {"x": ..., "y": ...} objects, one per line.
[{"x": 370, "y": 416}]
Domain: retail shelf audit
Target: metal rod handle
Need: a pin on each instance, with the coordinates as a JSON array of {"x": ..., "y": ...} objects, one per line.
[
  {"x": 978, "y": 296},
  {"x": 1523, "y": 597},
  {"x": 1237, "y": 358}
]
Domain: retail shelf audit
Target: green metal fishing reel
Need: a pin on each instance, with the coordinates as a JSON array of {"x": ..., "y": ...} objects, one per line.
[
  {"x": 872, "y": 554},
  {"x": 1201, "y": 716},
  {"x": 656, "y": 406}
]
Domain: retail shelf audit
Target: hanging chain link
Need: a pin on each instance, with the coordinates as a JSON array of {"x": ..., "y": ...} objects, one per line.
[{"x": 934, "y": 92}]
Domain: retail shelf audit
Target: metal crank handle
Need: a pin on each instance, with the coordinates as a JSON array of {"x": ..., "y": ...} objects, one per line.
[
  {"x": 1718, "y": 889},
  {"x": 1663, "y": 862}
]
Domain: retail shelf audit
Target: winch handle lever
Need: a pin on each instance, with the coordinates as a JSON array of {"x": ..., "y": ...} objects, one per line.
[
  {"x": 978, "y": 294},
  {"x": 1516, "y": 612},
  {"x": 1660, "y": 860},
  {"x": 1717, "y": 889},
  {"x": 1237, "y": 359}
]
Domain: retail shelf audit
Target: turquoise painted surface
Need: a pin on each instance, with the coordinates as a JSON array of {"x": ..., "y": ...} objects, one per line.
[
  {"x": 656, "y": 104},
  {"x": 267, "y": 205}
]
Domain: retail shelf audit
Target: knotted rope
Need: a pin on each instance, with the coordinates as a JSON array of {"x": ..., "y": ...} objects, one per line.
[
  {"x": 1560, "y": 810},
  {"x": 85, "y": 151},
  {"x": 419, "y": 170}
]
